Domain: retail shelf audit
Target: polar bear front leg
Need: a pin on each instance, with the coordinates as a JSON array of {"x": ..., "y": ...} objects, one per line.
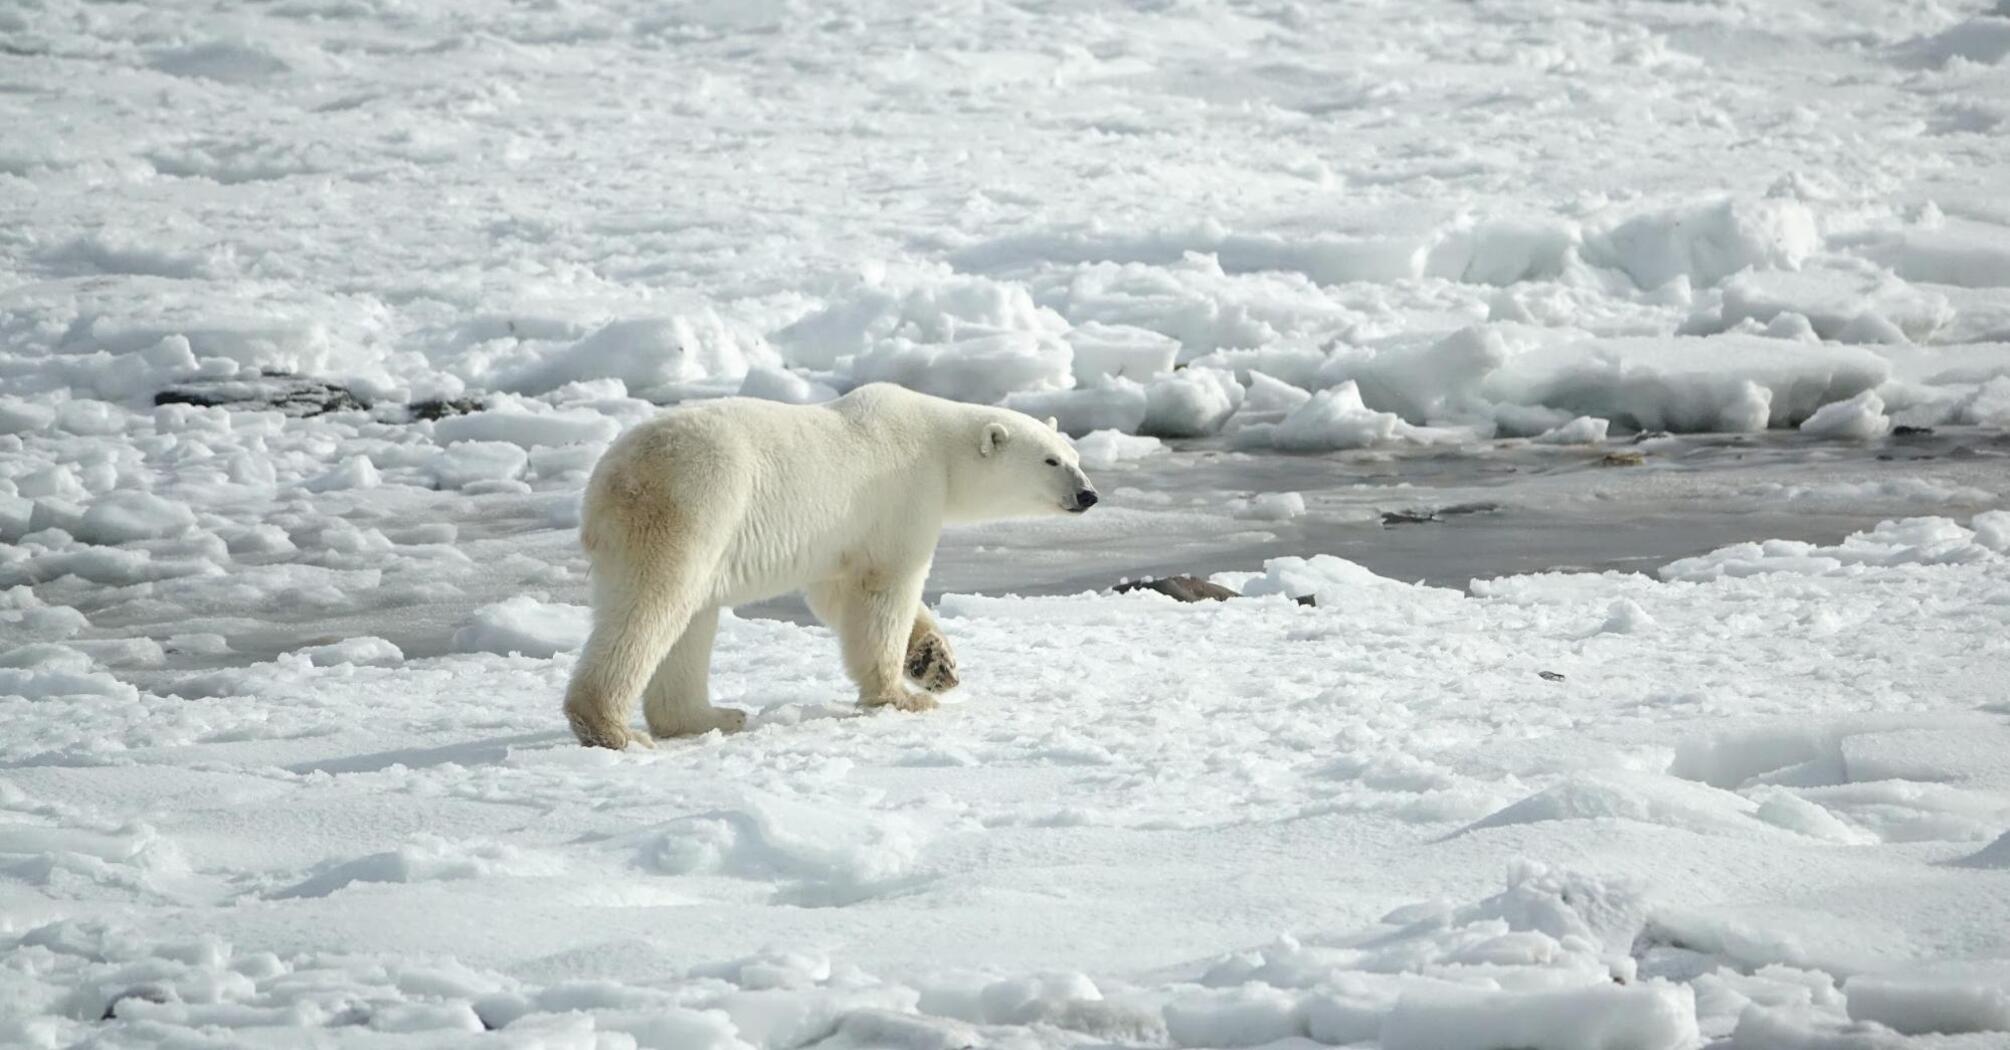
[
  {"x": 930, "y": 661},
  {"x": 678, "y": 701},
  {"x": 874, "y": 618}
]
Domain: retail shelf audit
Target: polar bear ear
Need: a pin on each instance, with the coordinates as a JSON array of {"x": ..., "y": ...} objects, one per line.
[
  {"x": 995, "y": 436},
  {"x": 1053, "y": 424}
]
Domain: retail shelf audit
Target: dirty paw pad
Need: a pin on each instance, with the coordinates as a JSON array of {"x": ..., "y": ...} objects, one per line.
[{"x": 931, "y": 664}]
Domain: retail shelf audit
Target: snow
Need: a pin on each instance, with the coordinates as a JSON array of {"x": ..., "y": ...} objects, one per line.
[
  {"x": 1859, "y": 419},
  {"x": 1104, "y": 449},
  {"x": 1913, "y": 493},
  {"x": 122, "y": 517},
  {"x": 523, "y": 624},
  {"x": 1424, "y": 383},
  {"x": 1268, "y": 394},
  {"x": 1989, "y": 405},
  {"x": 1269, "y": 506},
  {"x": 528, "y": 429},
  {"x": 1120, "y": 351},
  {"x": 1917, "y": 1005},
  {"x": 1983, "y": 41},
  {"x": 955, "y": 336},
  {"x": 365, "y": 651},
  {"x": 354, "y": 472},
  {"x": 1192, "y": 402},
  {"x": 1724, "y": 383},
  {"x": 1330, "y": 580},
  {"x": 1705, "y": 243},
  {"x": 18, "y": 416},
  {"x": 1845, "y": 301},
  {"x": 472, "y": 462},
  {"x": 1627, "y": 617},
  {"x": 323, "y": 839},
  {"x": 1113, "y": 404},
  {"x": 1955, "y": 252},
  {"x": 775, "y": 384},
  {"x": 1704, "y": 751},
  {"x": 1337, "y": 418},
  {"x": 1914, "y": 541},
  {"x": 660, "y": 355},
  {"x": 1601, "y": 1017},
  {"x": 1583, "y": 430}
]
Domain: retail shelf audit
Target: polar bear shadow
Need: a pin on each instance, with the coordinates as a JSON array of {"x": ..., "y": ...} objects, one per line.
[{"x": 490, "y": 751}]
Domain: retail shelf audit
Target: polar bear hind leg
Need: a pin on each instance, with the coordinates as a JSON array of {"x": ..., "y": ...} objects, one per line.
[
  {"x": 651, "y": 573},
  {"x": 678, "y": 701},
  {"x": 635, "y": 623}
]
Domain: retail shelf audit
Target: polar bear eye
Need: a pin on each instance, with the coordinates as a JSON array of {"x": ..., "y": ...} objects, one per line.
[{"x": 1052, "y": 462}]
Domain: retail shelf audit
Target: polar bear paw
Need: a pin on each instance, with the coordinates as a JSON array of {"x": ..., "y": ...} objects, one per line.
[
  {"x": 931, "y": 663},
  {"x": 905, "y": 700},
  {"x": 594, "y": 732}
]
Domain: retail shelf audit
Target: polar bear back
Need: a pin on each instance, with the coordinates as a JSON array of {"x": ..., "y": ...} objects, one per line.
[{"x": 789, "y": 492}]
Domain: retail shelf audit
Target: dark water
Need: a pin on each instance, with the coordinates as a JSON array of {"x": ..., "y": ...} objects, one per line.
[{"x": 1493, "y": 511}]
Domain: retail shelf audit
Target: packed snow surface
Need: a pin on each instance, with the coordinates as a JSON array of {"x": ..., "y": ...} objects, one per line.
[
  {"x": 1381, "y": 305},
  {"x": 1763, "y": 793},
  {"x": 1494, "y": 219}
]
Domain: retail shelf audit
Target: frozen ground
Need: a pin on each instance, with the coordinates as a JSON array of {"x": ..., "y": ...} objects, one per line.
[
  {"x": 279, "y": 756},
  {"x": 1766, "y": 799}
]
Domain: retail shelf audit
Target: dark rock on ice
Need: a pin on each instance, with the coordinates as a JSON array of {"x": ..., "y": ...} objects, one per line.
[
  {"x": 144, "y": 993},
  {"x": 1181, "y": 588},
  {"x": 437, "y": 408},
  {"x": 293, "y": 395},
  {"x": 1190, "y": 589}
]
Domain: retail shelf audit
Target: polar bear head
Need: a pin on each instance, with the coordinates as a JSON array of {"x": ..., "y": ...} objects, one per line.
[{"x": 1021, "y": 467}]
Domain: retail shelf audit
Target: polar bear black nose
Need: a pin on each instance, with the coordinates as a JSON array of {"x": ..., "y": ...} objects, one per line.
[{"x": 1085, "y": 499}]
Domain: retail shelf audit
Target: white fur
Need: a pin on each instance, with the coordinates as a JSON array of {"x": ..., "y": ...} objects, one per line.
[{"x": 737, "y": 500}]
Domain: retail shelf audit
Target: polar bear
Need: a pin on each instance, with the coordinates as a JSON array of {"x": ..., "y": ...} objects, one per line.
[{"x": 731, "y": 501}]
